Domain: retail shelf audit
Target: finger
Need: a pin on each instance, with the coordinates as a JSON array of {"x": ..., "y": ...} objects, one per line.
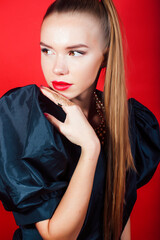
[
  {"x": 51, "y": 95},
  {"x": 54, "y": 121},
  {"x": 56, "y": 97},
  {"x": 55, "y": 94},
  {"x": 53, "y": 91}
]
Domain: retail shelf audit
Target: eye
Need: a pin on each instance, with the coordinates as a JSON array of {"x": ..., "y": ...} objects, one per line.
[
  {"x": 76, "y": 53},
  {"x": 46, "y": 51}
]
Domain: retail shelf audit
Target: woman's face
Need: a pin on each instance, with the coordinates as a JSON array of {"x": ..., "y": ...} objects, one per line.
[{"x": 72, "y": 48}]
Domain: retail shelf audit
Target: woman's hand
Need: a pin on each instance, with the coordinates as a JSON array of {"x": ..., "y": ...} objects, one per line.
[
  {"x": 68, "y": 218},
  {"x": 76, "y": 126}
]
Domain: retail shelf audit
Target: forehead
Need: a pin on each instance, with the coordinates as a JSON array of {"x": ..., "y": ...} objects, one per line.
[{"x": 71, "y": 27}]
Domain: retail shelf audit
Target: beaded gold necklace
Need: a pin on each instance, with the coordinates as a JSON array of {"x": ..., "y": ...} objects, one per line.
[{"x": 101, "y": 129}]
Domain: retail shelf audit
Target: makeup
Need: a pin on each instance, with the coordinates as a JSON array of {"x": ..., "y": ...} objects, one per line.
[{"x": 61, "y": 86}]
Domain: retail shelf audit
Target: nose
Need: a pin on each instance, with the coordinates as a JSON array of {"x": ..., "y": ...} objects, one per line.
[{"x": 60, "y": 66}]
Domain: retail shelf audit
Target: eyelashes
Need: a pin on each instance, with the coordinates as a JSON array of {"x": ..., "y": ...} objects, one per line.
[
  {"x": 71, "y": 53},
  {"x": 76, "y": 53},
  {"x": 46, "y": 51}
]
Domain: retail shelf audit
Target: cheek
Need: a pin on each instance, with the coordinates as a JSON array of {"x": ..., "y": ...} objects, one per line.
[
  {"x": 87, "y": 69},
  {"x": 43, "y": 65},
  {"x": 46, "y": 66},
  {"x": 93, "y": 67}
]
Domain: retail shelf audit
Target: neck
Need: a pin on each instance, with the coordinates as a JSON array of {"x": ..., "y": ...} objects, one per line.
[{"x": 86, "y": 101}]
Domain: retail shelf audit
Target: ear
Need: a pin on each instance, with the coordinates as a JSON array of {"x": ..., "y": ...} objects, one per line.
[{"x": 105, "y": 58}]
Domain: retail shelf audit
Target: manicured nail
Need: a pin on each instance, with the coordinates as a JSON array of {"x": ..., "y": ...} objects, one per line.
[{"x": 46, "y": 115}]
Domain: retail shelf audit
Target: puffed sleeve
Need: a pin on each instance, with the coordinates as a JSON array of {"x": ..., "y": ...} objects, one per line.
[
  {"x": 146, "y": 137},
  {"x": 33, "y": 161},
  {"x": 145, "y": 146}
]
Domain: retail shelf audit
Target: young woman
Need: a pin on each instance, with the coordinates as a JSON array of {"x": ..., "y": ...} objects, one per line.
[{"x": 70, "y": 163}]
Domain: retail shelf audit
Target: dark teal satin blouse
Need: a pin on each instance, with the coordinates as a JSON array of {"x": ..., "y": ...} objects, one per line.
[{"x": 37, "y": 162}]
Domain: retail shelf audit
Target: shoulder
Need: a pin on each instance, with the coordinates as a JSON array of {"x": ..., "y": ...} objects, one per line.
[
  {"x": 145, "y": 145},
  {"x": 21, "y": 93},
  {"x": 143, "y": 124},
  {"x": 33, "y": 160},
  {"x": 145, "y": 140},
  {"x": 17, "y": 106},
  {"x": 141, "y": 112},
  {"x": 19, "y": 99}
]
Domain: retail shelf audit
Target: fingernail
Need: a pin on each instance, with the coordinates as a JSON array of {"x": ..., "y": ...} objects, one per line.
[{"x": 46, "y": 115}]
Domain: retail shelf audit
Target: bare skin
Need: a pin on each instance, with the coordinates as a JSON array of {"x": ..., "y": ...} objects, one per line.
[
  {"x": 126, "y": 234},
  {"x": 68, "y": 218},
  {"x": 75, "y": 65},
  {"x": 61, "y": 63}
]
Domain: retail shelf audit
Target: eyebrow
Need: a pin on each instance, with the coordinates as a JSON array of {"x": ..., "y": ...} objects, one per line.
[{"x": 69, "y": 47}]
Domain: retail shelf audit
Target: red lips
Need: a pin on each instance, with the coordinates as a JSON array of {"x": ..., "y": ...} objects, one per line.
[{"x": 61, "y": 86}]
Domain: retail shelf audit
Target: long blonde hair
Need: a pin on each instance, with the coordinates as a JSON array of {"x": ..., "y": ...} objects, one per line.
[
  {"x": 119, "y": 149},
  {"x": 119, "y": 157}
]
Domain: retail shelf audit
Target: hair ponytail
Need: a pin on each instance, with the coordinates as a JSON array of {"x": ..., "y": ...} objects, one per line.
[{"x": 118, "y": 144}]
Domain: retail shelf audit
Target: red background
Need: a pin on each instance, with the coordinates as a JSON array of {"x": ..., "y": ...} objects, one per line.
[{"x": 20, "y": 65}]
